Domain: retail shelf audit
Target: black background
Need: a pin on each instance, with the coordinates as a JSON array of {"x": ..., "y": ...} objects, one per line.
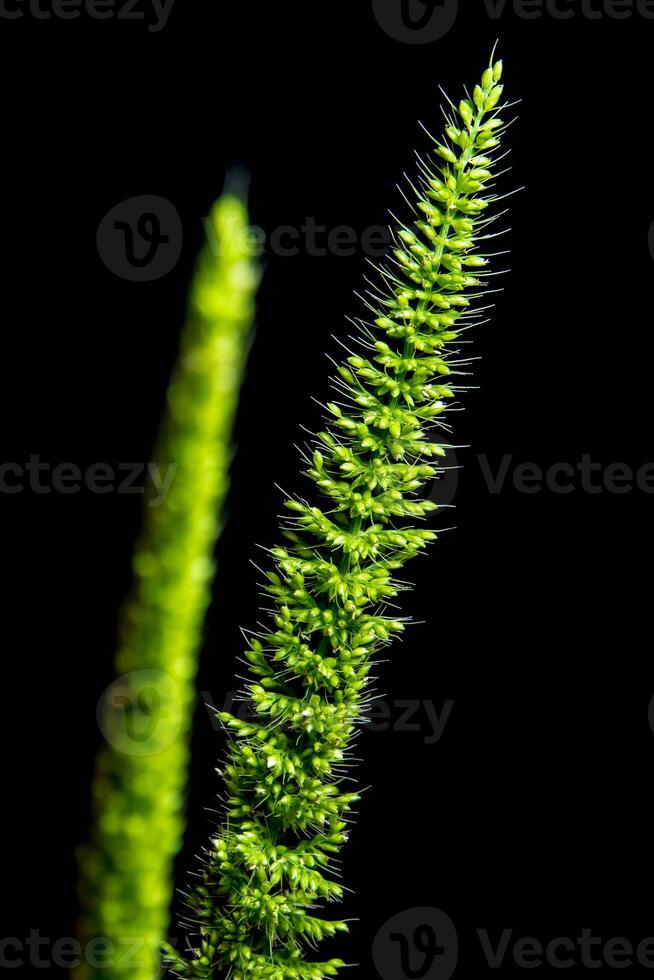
[{"x": 534, "y": 810}]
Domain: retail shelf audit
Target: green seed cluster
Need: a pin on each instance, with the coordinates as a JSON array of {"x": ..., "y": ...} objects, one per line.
[
  {"x": 271, "y": 863},
  {"x": 126, "y": 870}
]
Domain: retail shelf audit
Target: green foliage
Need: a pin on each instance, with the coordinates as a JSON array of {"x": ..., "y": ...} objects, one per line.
[
  {"x": 271, "y": 862},
  {"x": 126, "y": 870}
]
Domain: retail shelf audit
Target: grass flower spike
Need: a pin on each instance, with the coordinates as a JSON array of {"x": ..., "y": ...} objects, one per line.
[
  {"x": 270, "y": 865},
  {"x": 126, "y": 870}
]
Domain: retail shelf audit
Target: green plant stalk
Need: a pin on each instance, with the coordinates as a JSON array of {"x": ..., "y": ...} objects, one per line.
[
  {"x": 141, "y": 770},
  {"x": 271, "y": 861}
]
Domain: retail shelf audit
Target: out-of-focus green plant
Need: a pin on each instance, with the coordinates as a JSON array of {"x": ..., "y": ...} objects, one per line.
[
  {"x": 270, "y": 865},
  {"x": 138, "y": 793}
]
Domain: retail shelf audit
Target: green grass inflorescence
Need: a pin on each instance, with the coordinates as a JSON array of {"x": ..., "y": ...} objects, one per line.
[
  {"x": 141, "y": 771},
  {"x": 270, "y": 865}
]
